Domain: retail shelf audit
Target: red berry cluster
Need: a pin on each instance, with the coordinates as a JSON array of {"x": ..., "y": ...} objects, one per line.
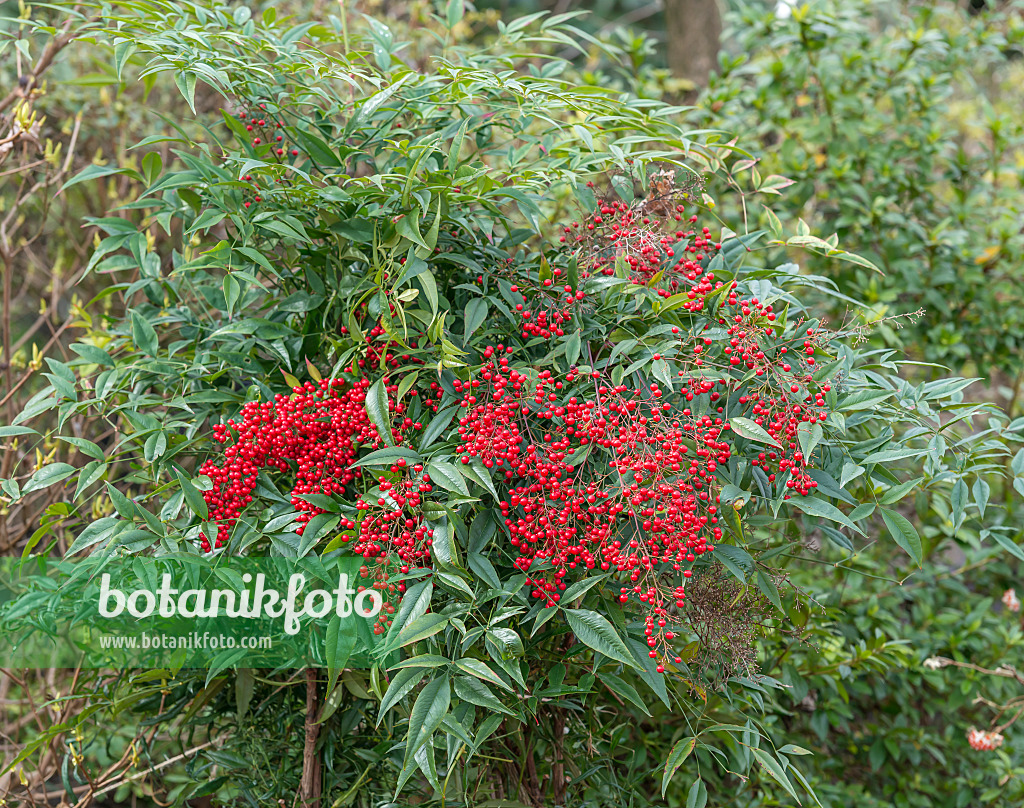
[
  {"x": 388, "y": 591},
  {"x": 392, "y": 528},
  {"x": 652, "y": 507},
  {"x": 784, "y": 395},
  {"x": 645, "y": 236},
  {"x": 263, "y": 130},
  {"x": 314, "y": 433},
  {"x": 551, "y": 312},
  {"x": 618, "y": 476},
  {"x": 259, "y": 124}
]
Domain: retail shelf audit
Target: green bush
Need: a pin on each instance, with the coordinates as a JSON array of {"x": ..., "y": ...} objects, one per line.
[
  {"x": 899, "y": 128},
  {"x": 386, "y": 244}
]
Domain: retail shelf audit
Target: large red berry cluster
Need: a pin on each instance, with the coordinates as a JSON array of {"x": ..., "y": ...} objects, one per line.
[
  {"x": 652, "y": 506},
  {"x": 615, "y": 476},
  {"x": 315, "y": 433}
]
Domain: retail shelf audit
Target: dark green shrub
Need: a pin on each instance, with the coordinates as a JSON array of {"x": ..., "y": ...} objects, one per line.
[{"x": 899, "y": 128}]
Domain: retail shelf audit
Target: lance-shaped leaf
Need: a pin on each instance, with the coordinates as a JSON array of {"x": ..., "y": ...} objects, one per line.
[
  {"x": 377, "y": 410},
  {"x": 595, "y": 631}
]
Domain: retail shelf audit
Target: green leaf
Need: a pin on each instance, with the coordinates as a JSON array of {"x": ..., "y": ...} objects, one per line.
[
  {"x": 624, "y": 690},
  {"x": 826, "y": 510},
  {"x": 91, "y": 472},
  {"x": 341, "y": 639},
  {"x": 98, "y": 531},
  {"x": 889, "y": 455},
  {"x": 47, "y": 476},
  {"x": 896, "y": 493},
  {"x": 850, "y": 472},
  {"x": 85, "y": 447},
  {"x": 981, "y": 492},
  {"x": 377, "y": 410},
  {"x": 317, "y": 149},
  {"x": 401, "y": 685},
  {"x": 123, "y": 51},
  {"x": 479, "y": 669},
  {"x": 774, "y": 768},
  {"x": 186, "y": 83},
  {"x": 478, "y": 473},
  {"x": 774, "y": 224},
  {"x": 378, "y": 99},
  {"x": 441, "y": 546},
  {"x": 285, "y": 229},
  {"x": 315, "y": 529},
  {"x": 427, "y": 713},
  {"x": 426, "y": 280},
  {"x": 580, "y": 588},
  {"x": 454, "y": 12},
  {"x": 697, "y": 797},
  {"x": 863, "y": 400},
  {"x": 680, "y": 752},
  {"x": 409, "y": 227},
  {"x": 432, "y": 233},
  {"x": 94, "y": 172},
  {"x": 144, "y": 335},
  {"x": 958, "y": 501},
  {"x": 14, "y": 431},
  {"x": 735, "y": 559},
  {"x": 447, "y": 476},
  {"x": 476, "y": 313},
  {"x": 476, "y": 692},
  {"x": 572, "y": 348},
  {"x": 245, "y": 684},
  {"x": 810, "y": 436},
  {"x": 414, "y": 604},
  {"x": 426, "y": 625},
  {"x": 406, "y": 384},
  {"x": 1008, "y": 544},
  {"x": 438, "y": 424},
  {"x": 596, "y": 632},
  {"x": 193, "y": 497},
  {"x": 388, "y": 456},
  {"x": 767, "y": 586},
  {"x": 903, "y": 533},
  {"x": 422, "y": 661},
  {"x": 746, "y": 428},
  {"x": 153, "y": 166},
  {"x": 507, "y": 641},
  {"x": 660, "y": 369}
]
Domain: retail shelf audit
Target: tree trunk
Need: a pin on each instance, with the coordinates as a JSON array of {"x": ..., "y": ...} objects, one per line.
[
  {"x": 309, "y": 788},
  {"x": 694, "y": 30}
]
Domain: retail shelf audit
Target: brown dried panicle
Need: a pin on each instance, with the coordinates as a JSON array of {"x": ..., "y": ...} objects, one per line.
[
  {"x": 666, "y": 191},
  {"x": 727, "y": 619}
]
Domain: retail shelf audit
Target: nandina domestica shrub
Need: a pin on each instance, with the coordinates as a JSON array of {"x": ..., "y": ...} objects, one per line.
[
  {"x": 599, "y": 476},
  {"x": 482, "y": 330}
]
